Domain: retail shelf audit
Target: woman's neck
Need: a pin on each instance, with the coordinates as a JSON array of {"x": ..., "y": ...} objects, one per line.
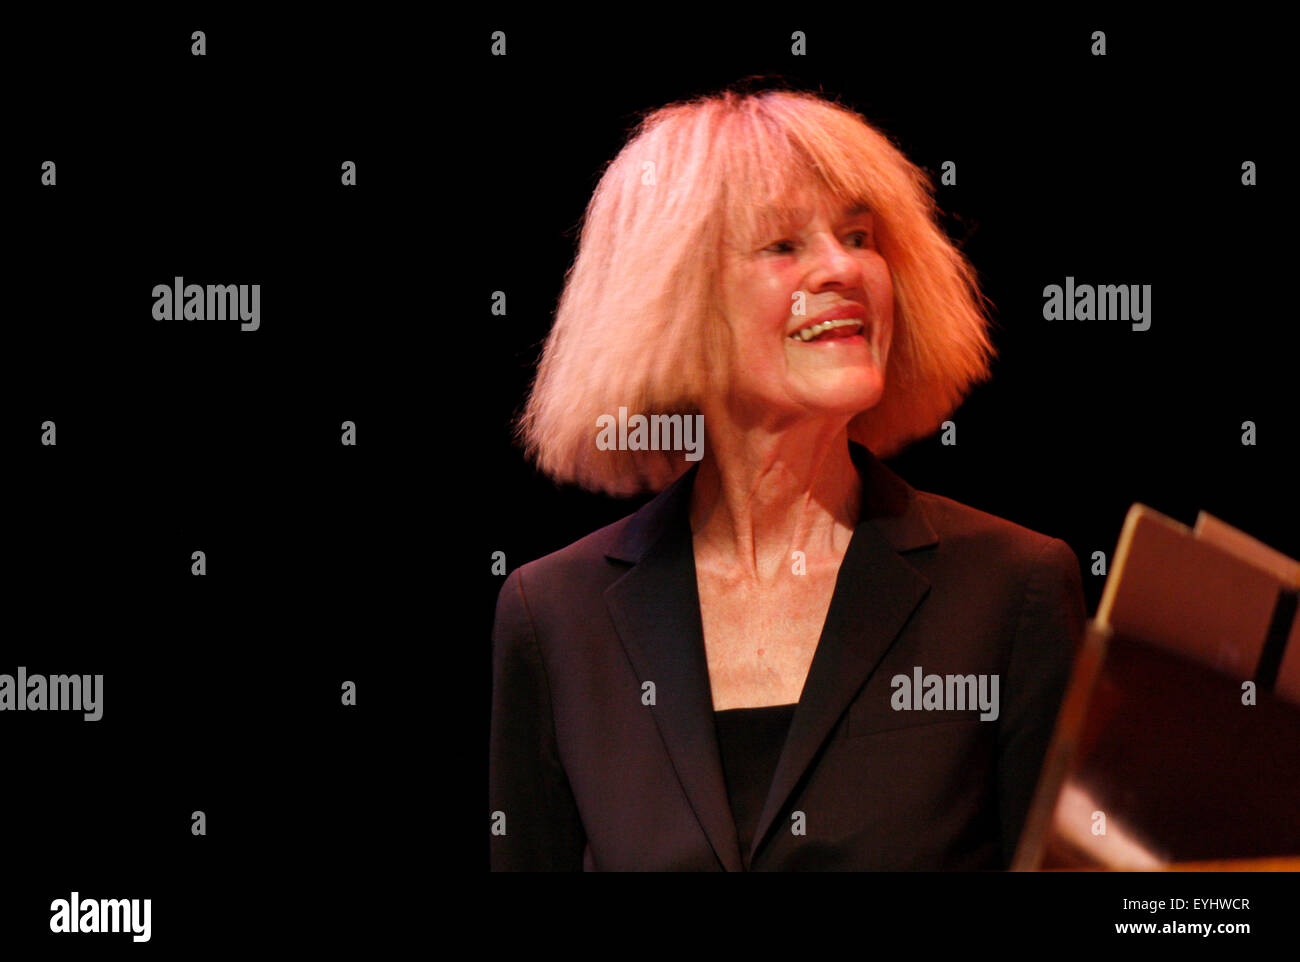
[{"x": 760, "y": 497}]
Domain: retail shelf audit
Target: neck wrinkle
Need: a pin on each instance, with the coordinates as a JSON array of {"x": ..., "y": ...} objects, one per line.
[{"x": 753, "y": 506}]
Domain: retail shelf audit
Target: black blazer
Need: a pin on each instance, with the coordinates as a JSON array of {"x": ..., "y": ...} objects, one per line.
[{"x": 589, "y": 777}]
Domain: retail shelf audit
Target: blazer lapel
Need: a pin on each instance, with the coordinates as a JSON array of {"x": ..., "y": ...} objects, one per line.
[
  {"x": 875, "y": 594},
  {"x": 656, "y": 610}
]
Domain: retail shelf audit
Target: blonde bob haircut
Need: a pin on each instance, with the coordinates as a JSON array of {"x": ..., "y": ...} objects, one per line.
[{"x": 638, "y": 324}]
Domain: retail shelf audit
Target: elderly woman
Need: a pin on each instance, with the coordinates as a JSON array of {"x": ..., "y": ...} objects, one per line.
[{"x": 789, "y": 658}]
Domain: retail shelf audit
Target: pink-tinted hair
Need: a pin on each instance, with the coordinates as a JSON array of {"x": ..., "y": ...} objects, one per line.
[{"x": 638, "y": 326}]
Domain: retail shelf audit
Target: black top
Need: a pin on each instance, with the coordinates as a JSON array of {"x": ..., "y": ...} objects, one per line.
[{"x": 750, "y": 740}]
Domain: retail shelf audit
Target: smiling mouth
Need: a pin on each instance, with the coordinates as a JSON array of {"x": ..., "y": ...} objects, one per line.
[{"x": 837, "y": 329}]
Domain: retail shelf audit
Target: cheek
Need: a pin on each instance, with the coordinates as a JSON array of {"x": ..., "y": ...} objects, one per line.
[
  {"x": 774, "y": 300},
  {"x": 878, "y": 274},
  {"x": 880, "y": 286},
  {"x": 757, "y": 301},
  {"x": 744, "y": 289}
]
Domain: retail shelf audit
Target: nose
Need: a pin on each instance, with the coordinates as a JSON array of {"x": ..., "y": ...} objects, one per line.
[{"x": 833, "y": 267}]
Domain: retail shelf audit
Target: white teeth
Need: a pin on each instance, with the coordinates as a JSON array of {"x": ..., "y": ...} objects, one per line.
[{"x": 808, "y": 333}]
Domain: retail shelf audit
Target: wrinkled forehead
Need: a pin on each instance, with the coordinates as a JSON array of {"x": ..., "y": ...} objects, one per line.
[
  {"x": 790, "y": 209},
  {"x": 799, "y": 215}
]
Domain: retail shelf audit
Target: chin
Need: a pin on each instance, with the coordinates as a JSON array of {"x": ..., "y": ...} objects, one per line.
[{"x": 853, "y": 398}]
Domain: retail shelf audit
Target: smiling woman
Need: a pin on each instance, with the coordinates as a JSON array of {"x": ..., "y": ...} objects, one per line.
[
  {"x": 706, "y": 684},
  {"x": 709, "y": 185}
]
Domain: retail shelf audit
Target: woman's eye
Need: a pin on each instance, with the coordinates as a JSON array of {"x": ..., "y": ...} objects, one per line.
[{"x": 859, "y": 238}]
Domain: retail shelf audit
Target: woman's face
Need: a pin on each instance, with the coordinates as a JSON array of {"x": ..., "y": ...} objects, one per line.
[{"x": 823, "y": 264}]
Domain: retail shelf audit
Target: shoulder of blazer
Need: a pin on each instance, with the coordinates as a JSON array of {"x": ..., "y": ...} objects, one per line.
[
  {"x": 626, "y": 539},
  {"x": 955, "y": 521}
]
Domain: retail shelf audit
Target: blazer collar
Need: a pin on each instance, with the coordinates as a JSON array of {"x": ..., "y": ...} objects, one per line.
[
  {"x": 888, "y": 502},
  {"x": 655, "y": 607}
]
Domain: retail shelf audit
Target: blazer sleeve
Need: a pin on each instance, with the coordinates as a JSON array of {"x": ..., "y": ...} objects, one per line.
[
  {"x": 526, "y": 781},
  {"x": 1047, "y": 634}
]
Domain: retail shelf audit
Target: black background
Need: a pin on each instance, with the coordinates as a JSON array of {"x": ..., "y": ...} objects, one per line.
[
  {"x": 331, "y": 826},
  {"x": 221, "y": 693}
]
